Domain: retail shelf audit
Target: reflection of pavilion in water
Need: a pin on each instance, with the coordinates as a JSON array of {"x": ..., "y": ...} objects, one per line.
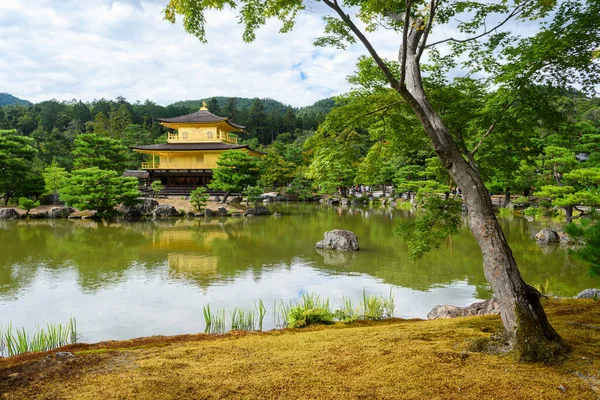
[{"x": 190, "y": 249}]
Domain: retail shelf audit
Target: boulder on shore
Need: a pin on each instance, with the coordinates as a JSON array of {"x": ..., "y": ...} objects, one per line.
[
  {"x": 588, "y": 294},
  {"x": 481, "y": 308},
  {"x": 258, "y": 210},
  {"x": 165, "y": 210},
  {"x": 339, "y": 239},
  {"x": 132, "y": 213},
  {"x": 222, "y": 211},
  {"x": 147, "y": 206},
  {"x": 9, "y": 213},
  {"x": 547, "y": 236},
  {"x": 60, "y": 212}
]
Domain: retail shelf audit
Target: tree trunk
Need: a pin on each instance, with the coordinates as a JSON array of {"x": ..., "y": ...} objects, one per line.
[
  {"x": 506, "y": 197},
  {"x": 55, "y": 197},
  {"x": 225, "y": 197},
  {"x": 568, "y": 213},
  {"x": 527, "y": 329}
]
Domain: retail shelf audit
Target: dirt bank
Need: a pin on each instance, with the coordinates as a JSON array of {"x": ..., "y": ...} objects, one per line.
[{"x": 408, "y": 359}]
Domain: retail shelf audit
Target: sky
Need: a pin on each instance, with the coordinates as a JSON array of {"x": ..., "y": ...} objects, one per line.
[{"x": 86, "y": 50}]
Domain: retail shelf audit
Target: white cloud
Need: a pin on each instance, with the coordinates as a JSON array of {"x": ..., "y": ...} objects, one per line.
[{"x": 107, "y": 48}]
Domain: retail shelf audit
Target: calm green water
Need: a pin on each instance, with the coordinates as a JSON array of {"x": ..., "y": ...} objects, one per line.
[{"x": 124, "y": 280}]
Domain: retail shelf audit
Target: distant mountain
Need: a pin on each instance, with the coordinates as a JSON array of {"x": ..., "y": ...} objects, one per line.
[
  {"x": 7, "y": 99},
  {"x": 244, "y": 104}
]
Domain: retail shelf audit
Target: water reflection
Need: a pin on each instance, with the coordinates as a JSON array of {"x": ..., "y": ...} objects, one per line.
[{"x": 132, "y": 279}]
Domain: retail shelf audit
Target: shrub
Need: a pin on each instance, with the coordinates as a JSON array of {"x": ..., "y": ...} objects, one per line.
[{"x": 199, "y": 198}]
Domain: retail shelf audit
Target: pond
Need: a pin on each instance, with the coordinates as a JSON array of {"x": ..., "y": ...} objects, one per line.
[{"x": 124, "y": 280}]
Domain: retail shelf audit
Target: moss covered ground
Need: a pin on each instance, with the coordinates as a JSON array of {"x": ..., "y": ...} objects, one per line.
[{"x": 408, "y": 359}]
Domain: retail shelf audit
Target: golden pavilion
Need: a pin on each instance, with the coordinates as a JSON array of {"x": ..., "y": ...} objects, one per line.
[{"x": 187, "y": 159}]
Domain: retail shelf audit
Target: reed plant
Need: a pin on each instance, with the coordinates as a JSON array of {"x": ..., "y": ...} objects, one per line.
[
  {"x": 346, "y": 313},
  {"x": 19, "y": 341},
  {"x": 375, "y": 308},
  {"x": 215, "y": 322},
  {"x": 247, "y": 319},
  {"x": 543, "y": 288}
]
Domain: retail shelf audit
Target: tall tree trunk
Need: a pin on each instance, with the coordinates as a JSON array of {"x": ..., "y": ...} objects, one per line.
[{"x": 525, "y": 322}]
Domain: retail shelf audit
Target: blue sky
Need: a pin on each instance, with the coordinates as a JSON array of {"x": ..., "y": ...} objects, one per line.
[{"x": 106, "y": 48}]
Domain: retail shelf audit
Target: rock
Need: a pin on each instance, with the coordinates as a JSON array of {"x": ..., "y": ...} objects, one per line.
[
  {"x": 564, "y": 238},
  {"x": 63, "y": 355},
  {"x": 589, "y": 294},
  {"x": 258, "y": 210},
  {"x": 165, "y": 210},
  {"x": 333, "y": 201},
  {"x": 344, "y": 201},
  {"x": 339, "y": 239},
  {"x": 393, "y": 204},
  {"x": 222, "y": 211},
  {"x": 147, "y": 206},
  {"x": 546, "y": 236},
  {"x": 190, "y": 214},
  {"x": 9, "y": 213},
  {"x": 237, "y": 214},
  {"x": 132, "y": 213},
  {"x": 355, "y": 202},
  {"x": 209, "y": 213},
  {"x": 277, "y": 215},
  {"x": 39, "y": 215},
  {"x": 60, "y": 212},
  {"x": 235, "y": 200},
  {"x": 480, "y": 308},
  {"x": 322, "y": 200}
]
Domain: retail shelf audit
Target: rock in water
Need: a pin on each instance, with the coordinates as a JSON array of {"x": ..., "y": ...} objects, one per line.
[
  {"x": 165, "y": 210},
  {"x": 222, "y": 211},
  {"x": 9, "y": 213},
  {"x": 339, "y": 239},
  {"x": 481, "y": 308},
  {"x": 546, "y": 236},
  {"x": 258, "y": 210},
  {"x": 589, "y": 294}
]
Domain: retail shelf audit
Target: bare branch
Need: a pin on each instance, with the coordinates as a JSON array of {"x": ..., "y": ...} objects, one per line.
[
  {"x": 492, "y": 127},
  {"x": 512, "y": 14},
  {"x": 432, "y": 9},
  {"x": 357, "y": 32},
  {"x": 404, "y": 52}
]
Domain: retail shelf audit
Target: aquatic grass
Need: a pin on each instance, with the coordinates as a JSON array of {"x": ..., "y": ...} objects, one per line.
[
  {"x": 311, "y": 309},
  {"x": 19, "y": 341},
  {"x": 506, "y": 212},
  {"x": 346, "y": 313},
  {"x": 215, "y": 322},
  {"x": 543, "y": 288},
  {"x": 247, "y": 319},
  {"x": 376, "y": 307}
]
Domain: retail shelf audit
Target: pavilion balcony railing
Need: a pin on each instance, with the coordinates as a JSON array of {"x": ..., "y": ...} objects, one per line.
[
  {"x": 173, "y": 136},
  {"x": 231, "y": 140},
  {"x": 150, "y": 165}
]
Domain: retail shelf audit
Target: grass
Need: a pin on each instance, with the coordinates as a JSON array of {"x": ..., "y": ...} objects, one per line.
[
  {"x": 390, "y": 359},
  {"x": 18, "y": 341},
  {"x": 543, "y": 288},
  {"x": 248, "y": 319},
  {"x": 375, "y": 308}
]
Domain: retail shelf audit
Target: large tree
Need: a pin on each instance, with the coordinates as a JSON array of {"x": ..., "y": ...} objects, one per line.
[
  {"x": 563, "y": 52},
  {"x": 16, "y": 156},
  {"x": 235, "y": 171}
]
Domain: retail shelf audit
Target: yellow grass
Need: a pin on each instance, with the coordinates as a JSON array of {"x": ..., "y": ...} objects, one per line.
[{"x": 389, "y": 359}]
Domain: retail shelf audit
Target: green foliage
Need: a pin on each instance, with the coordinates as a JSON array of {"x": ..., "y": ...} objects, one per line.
[
  {"x": 19, "y": 341},
  {"x": 588, "y": 232},
  {"x": 215, "y": 322},
  {"x": 199, "y": 198},
  {"x": 235, "y": 170},
  {"x": 157, "y": 187},
  {"x": 276, "y": 171},
  {"x": 54, "y": 177},
  {"x": 16, "y": 156},
  {"x": 439, "y": 220},
  {"x": 27, "y": 204},
  {"x": 100, "y": 190},
  {"x": 253, "y": 194},
  {"x": 94, "y": 150},
  {"x": 543, "y": 288},
  {"x": 248, "y": 319}
]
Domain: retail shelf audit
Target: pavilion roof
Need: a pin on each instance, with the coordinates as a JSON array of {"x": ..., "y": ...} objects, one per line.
[
  {"x": 202, "y": 116},
  {"x": 192, "y": 147}
]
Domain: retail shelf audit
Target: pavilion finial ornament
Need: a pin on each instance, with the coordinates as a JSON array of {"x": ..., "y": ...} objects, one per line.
[{"x": 204, "y": 106}]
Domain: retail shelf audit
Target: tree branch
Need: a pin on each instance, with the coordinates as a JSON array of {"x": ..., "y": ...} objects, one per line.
[
  {"x": 492, "y": 127},
  {"x": 512, "y": 14},
  {"x": 357, "y": 32},
  {"x": 432, "y": 8}
]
